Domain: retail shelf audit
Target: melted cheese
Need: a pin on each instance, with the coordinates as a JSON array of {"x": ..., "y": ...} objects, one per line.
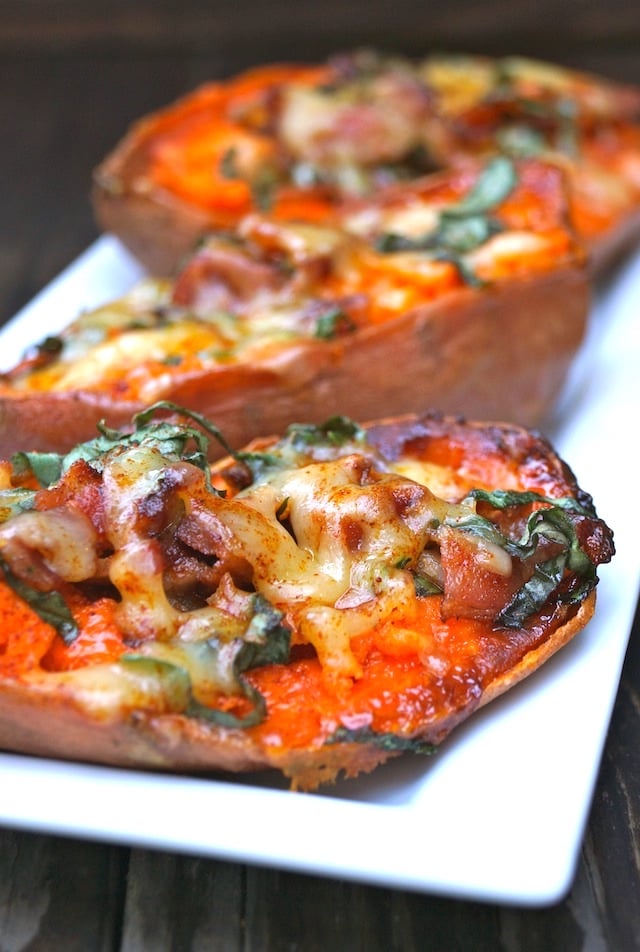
[
  {"x": 459, "y": 81},
  {"x": 112, "y": 358},
  {"x": 412, "y": 219},
  {"x": 338, "y": 567}
]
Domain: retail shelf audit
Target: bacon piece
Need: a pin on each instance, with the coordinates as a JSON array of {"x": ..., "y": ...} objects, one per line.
[
  {"x": 222, "y": 276},
  {"x": 43, "y": 547}
]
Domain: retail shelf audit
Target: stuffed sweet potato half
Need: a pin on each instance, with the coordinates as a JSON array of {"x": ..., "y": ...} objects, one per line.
[
  {"x": 299, "y": 140},
  {"x": 316, "y": 603},
  {"x": 464, "y": 293}
]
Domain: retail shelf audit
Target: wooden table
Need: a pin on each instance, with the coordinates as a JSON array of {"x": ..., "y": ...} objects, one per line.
[{"x": 71, "y": 78}]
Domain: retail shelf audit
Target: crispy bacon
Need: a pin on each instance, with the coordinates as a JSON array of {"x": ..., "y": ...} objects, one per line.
[
  {"x": 222, "y": 276},
  {"x": 364, "y": 121},
  {"x": 81, "y": 486}
]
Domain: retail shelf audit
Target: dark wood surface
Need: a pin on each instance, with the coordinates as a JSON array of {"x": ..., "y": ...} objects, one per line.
[{"x": 72, "y": 76}]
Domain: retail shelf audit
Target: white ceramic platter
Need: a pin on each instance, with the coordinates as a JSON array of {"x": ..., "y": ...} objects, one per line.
[{"x": 499, "y": 813}]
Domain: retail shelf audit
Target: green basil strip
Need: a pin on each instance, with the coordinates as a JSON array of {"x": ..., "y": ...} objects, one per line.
[
  {"x": 467, "y": 274},
  {"x": 265, "y": 641},
  {"x": 256, "y": 462},
  {"x": 331, "y": 322},
  {"x": 520, "y": 141},
  {"x": 336, "y": 431},
  {"x": 534, "y": 593},
  {"x": 465, "y": 226},
  {"x": 141, "y": 420},
  {"x": 464, "y": 234},
  {"x": 225, "y": 718},
  {"x": 14, "y": 501},
  {"x": 173, "y": 680},
  {"x": 263, "y": 188},
  {"x": 170, "y": 438},
  {"x": 229, "y": 164},
  {"x": 46, "y": 467},
  {"x": 49, "y": 606},
  {"x": 503, "y": 498},
  {"x": 453, "y": 237},
  {"x": 555, "y": 525},
  {"x": 384, "y": 741},
  {"x": 175, "y": 683},
  {"x": 425, "y": 586},
  {"x": 262, "y": 185},
  {"x": 495, "y": 184}
]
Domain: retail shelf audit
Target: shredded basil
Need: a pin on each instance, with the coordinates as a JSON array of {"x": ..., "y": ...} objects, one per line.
[
  {"x": 263, "y": 188},
  {"x": 172, "y": 679},
  {"x": 452, "y": 236},
  {"x": 255, "y": 462},
  {"x": 46, "y": 467},
  {"x": 464, "y": 226},
  {"x": 496, "y": 183},
  {"x": 262, "y": 185},
  {"x": 15, "y": 501},
  {"x": 425, "y": 586},
  {"x": 265, "y": 641},
  {"x": 49, "y": 606},
  {"x": 282, "y": 508},
  {"x": 45, "y": 350},
  {"x": 332, "y": 322},
  {"x": 504, "y": 498},
  {"x": 552, "y": 523},
  {"x": 385, "y": 741},
  {"x": 467, "y": 274},
  {"x": 171, "y": 439},
  {"x": 336, "y": 431},
  {"x": 520, "y": 141},
  {"x": 228, "y": 164}
]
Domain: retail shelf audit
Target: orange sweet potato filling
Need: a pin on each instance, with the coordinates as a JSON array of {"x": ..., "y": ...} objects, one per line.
[
  {"x": 186, "y": 145},
  {"x": 396, "y": 693}
]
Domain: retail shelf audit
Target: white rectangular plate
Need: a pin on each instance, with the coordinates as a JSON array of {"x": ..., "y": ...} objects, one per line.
[{"x": 499, "y": 813}]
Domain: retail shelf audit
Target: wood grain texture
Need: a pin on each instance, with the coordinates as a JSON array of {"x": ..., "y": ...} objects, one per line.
[
  {"x": 59, "y": 894},
  {"x": 612, "y": 848},
  {"x": 291, "y": 27},
  {"x": 176, "y": 902},
  {"x": 72, "y": 75}
]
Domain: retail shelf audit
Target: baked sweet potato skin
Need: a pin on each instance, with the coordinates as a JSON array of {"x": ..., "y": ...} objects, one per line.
[
  {"x": 51, "y": 724},
  {"x": 159, "y": 230},
  {"x": 313, "y": 733},
  {"x": 474, "y": 352}
]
